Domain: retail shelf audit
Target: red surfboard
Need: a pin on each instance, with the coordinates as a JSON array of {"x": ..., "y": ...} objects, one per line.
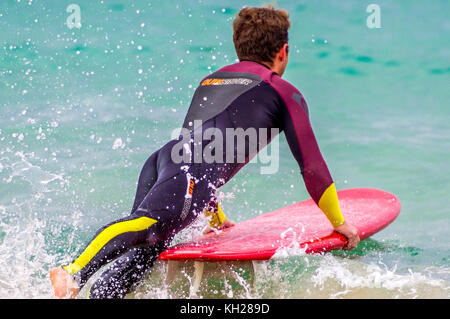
[{"x": 300, "y": 225}]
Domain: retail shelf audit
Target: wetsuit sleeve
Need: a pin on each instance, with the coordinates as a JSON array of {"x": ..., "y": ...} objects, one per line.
[{"x": 304, "y": 147}]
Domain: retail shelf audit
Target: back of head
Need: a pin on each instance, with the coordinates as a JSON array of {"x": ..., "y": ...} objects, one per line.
[{"x": 259, "y": 33}]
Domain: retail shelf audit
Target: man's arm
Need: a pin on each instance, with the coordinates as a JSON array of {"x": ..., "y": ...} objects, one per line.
[
  {"x": 317, "y": 178},
  {"x": 329, "y": 204}
]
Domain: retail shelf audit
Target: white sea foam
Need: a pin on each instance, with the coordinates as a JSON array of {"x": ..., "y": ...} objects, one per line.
[
  {"x": 24, "y": 261},
  {"x": 344, "y": 278}
]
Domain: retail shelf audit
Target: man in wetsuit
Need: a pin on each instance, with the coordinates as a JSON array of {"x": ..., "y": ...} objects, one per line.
[{"x": 179, "y": 181}]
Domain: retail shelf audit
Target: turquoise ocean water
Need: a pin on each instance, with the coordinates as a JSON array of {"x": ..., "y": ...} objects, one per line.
[{"x": 81, "y": 109}]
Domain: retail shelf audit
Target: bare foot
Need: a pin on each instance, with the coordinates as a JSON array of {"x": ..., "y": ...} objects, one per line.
[{"x": 64, "y": 285}]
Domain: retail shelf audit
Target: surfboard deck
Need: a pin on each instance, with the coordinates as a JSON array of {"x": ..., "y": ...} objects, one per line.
[{"x": 301, "y": 225}]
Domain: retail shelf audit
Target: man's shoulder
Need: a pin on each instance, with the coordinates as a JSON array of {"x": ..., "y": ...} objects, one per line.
[
  {"x": 289, "y": 93},
  {"x": 283, "y": 85}
]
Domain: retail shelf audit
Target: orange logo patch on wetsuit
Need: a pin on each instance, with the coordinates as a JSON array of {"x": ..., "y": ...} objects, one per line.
[
  {"x": 191, "y": 187},
  {"x": 212, "y": 82},
  {"x": 239, "y": 81}
]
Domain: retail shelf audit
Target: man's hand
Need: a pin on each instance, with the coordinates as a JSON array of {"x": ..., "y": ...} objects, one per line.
[
  {"x": 351, "y": 233},
  {"x": 227, "y": 223}
]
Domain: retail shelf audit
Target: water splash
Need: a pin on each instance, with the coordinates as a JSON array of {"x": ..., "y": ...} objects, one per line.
[
  {"x": 24, "y": 260},
  {"x": 344, "y": 278},
  {"x": 298, "y": 276}
]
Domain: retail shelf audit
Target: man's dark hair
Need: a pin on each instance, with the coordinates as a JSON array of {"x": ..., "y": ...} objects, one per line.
[{"x": 259, "y": 33}]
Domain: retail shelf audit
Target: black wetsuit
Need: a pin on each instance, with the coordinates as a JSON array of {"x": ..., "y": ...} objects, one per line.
[{"x": 170, "y": 193}]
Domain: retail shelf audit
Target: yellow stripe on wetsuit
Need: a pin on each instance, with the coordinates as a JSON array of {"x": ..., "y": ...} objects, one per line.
[
  {"x": 104, "y": 237},
  {"x": 329, "y": 204}
]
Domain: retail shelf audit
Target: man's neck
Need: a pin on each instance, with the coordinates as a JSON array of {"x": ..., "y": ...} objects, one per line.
[{"x": 272, "y": 68}]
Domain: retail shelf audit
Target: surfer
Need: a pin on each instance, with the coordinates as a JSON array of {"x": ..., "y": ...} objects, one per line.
[{"x": 177, "y": 182}]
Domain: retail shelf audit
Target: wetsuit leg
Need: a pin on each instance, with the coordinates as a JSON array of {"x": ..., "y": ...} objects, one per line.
[
  {"x": 85, "y": 265},
  {"x": 130, "y": 267},
  {"x": 125, "y": 272},
  {"x": 116, "y": 281},
  {"x": 110, "y": 242},
  {"x": 147, "y": 179},
  {"x": 128, "y": 270},
  {"x": 156, "y": 220}
]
